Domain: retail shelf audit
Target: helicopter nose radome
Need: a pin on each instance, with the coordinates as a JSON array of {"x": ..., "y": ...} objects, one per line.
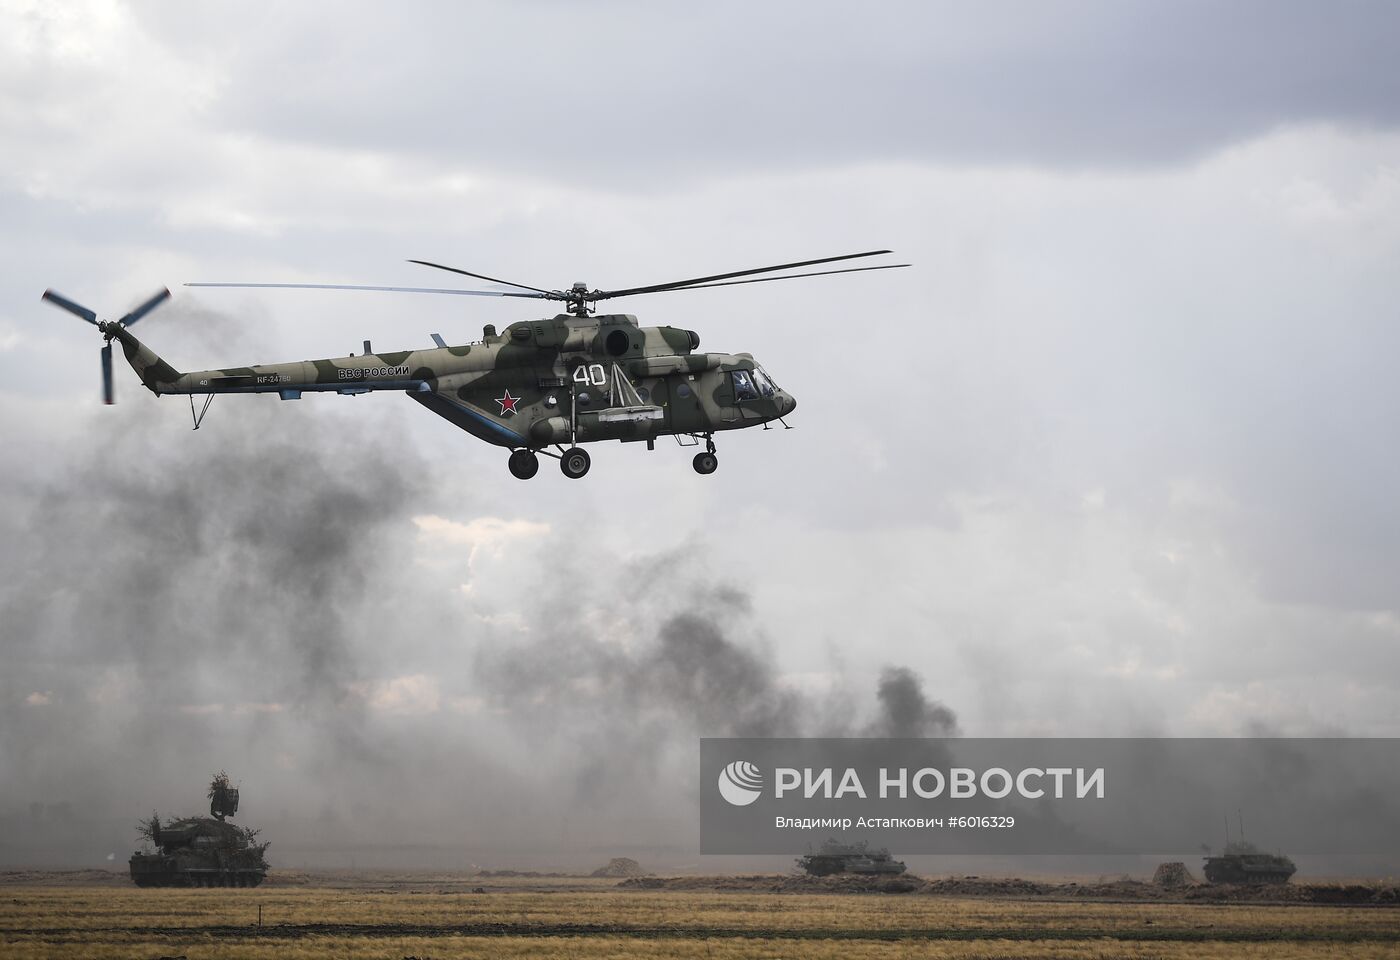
[{"x": 788, "y": 404}]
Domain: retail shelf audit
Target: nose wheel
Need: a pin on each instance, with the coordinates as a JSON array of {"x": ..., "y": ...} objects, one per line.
[
  {"x": 575, "y": 462},
  {"x": 524, "y": 464}
]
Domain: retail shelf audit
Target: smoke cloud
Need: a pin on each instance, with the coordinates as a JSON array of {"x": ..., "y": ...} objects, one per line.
[
  {"x": 634, "y": 702},
  {"x": 255, "y": 597},
  {"x": 905, "y": 711}
]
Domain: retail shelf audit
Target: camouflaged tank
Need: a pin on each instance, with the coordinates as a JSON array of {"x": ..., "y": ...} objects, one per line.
[
  {"x": 201, "y": 851},
  {"x": 1243, "y": 862},
  {"x": 836, "y": 857}
]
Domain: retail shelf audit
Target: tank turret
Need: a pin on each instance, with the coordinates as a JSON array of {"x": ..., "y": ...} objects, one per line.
[
  {"x": 201, "y": 851},
  {"x": 835, "y": 857}
]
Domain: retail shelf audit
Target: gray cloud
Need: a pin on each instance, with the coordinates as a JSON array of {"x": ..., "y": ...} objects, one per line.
[{"x": 631, "y": 94}]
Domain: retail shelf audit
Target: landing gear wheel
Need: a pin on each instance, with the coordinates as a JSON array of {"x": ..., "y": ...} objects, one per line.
[
  {"x": 575, "y": 462},
  {"x": 705, "y": 463},
  {"x": 524, "y": 464}
]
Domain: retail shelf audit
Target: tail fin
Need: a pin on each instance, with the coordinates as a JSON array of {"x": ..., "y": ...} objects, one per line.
[{"x": 158, "y": 376}]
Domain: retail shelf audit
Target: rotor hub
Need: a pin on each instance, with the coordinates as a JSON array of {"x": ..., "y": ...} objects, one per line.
[{"x": 578, "y": 299}]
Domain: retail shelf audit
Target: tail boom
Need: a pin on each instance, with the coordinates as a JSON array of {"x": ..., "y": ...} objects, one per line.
[{"x": 398, "y": 371}]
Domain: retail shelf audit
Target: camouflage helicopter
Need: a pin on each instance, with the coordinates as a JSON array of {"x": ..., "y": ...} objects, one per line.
[{"x": 575, "y": 378}]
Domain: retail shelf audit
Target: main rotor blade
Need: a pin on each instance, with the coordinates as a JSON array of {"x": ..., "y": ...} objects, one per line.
[
  {"x": 145, "y": 308},
  {"x": 549, "y": 294},
  {"x": 107, "y": 395},
  {"x": 349, "y": 286},
  {"x": 791, "y": 276},
  {"x": 675, "y": 284},
  {"x": 58, "y": 300}
]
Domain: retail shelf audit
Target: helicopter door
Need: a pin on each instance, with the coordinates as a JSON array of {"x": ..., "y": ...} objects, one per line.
[{"x": 686, "y": 415}]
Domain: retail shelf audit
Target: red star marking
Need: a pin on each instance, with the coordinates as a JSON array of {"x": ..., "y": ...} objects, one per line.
[{"x": 507, "y": 403}]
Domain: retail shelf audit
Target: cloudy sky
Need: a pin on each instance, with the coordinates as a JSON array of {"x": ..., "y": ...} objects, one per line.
[{"x": 1116, "y": 456}]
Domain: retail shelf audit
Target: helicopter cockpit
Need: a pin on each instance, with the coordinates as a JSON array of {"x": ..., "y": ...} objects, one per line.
[{"x": 753, "y": 384}]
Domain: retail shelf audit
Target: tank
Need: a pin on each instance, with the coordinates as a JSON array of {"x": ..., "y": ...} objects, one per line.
[
  {"x": 201, "y": 851},
  {"x": 834, "y": 857},
  {"x": 1243, "y": 862}
]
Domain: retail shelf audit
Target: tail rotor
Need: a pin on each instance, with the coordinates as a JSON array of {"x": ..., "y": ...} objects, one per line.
[{"x": 109, "y": 328}]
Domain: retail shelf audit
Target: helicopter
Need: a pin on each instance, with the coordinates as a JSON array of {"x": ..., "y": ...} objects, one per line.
[{"x": 539, "y": 387}]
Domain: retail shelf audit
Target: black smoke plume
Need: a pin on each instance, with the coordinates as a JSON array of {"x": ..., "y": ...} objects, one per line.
[{"x": 173, "y": 603}]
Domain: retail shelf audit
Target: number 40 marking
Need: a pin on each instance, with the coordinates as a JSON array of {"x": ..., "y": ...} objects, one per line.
[{"x": 591, "y": 375}]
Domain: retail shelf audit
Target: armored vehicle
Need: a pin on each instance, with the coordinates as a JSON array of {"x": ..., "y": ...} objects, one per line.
[
  {"x": 201, "y": 851},
  {"x": 834, "y": 857},
  {"x": 1243, "y": 862}
]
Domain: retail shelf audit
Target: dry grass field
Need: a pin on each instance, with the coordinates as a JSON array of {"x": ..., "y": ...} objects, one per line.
[{"x": 408, "y": 918}]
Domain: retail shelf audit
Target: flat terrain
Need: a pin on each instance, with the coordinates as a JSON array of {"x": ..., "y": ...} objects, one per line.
[{"x": 439, "y": 916}]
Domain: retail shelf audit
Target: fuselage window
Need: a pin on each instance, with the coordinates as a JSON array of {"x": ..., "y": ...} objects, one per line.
[
  {"x": 743, "y": 386},
  {"x": 763, "y": 382}
]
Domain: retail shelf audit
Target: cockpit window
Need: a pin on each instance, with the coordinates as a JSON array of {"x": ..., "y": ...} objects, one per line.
[
  {"x": 763, "y": 382},
  {"x": 743, "y": 386}
]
